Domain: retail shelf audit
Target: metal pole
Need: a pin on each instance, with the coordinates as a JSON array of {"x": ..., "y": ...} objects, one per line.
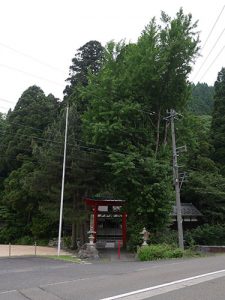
[
  {"x": 63, "y": 180},
  {"x": 176, "y": 182},
  {"x": 35, "y": 248},
  {"x": 9, "y": 249},
  {"x": 119, "y": 249}
]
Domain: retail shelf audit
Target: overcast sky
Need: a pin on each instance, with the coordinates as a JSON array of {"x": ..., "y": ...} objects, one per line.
[{"x": 50, "y": 31}]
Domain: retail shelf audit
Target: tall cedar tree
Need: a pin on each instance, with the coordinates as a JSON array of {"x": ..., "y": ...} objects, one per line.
[
  {"x": 87, "y": 59},
  {"x": 218, "y": 121},
  {"x": 81, "y": 170},
  {"x": 24, "y": 130}
]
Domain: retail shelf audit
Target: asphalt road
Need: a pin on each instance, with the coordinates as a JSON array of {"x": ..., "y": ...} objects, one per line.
[
  {"x": 41, "y": 278},
  {"x": 210, "y": 290}
]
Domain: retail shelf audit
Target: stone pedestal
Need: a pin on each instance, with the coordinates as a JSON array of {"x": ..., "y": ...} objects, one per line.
[{"x": 89, "y": 250}]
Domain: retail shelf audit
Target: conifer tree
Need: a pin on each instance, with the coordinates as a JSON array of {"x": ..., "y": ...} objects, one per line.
[{"x": 218, "y": 121}]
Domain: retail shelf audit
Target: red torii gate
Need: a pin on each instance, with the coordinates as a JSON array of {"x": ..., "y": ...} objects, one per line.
[{"x": 95, "y": 203}]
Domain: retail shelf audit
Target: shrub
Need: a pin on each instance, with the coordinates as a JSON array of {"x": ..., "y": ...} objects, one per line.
[
  {"x": 25, "y": 240},
  {"x": 159, "y": 251},
  {"x": 42, "y": 242},
  {"x": 67, "y": 242},
  {"x": 206, "y": 235},
  {"x": 167, "y": 236}
]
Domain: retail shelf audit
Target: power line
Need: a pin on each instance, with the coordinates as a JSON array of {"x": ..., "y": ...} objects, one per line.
[
  {"x": 211, "y": 50},
  {"x": 217, "y": 19},
  {"x": 31, "y": 57},
  {"x": 78, "y": 140},
  {"x": 99, "y": 169},
  {"x": 219, "y": 53},
  {"x": 5, "y": 100},
  {"x": 76, "y": 146},
  {"x": 31, "y": 74},
  {"x": 122, "y": 130}
]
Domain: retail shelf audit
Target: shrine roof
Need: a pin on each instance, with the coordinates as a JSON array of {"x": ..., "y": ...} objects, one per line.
[{"x": 187, "y": 209}]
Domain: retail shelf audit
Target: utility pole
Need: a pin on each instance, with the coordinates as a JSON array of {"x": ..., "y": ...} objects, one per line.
[
  {"x": 171, "y": 117},
  {"x": 63, "y": 180}
]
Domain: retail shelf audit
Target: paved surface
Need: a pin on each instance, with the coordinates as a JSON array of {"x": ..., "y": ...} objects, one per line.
[
  {"x": 210, "y": 290},
  {"x": 112, "y": 255},
  {"x": 19, "y": 250},
  {"x": 40, "y": 278}
]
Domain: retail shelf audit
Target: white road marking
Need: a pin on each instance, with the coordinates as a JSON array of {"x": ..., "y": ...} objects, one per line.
[
  {"x": 7, "y": 292},
  {"x": 166, "y": 287},
  {"x": 67, "y": 281}
]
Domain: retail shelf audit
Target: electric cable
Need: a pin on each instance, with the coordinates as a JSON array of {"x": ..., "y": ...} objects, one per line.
[
  {"x": 31, "y": 57},
  {"x": 211, "y": 50},
  {"x": 31, "y": 74},
  {"x": 214, "y": 25},
  {"x": 219, "y": 53}
]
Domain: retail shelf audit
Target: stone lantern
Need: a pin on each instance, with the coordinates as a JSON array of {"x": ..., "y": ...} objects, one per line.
[
  {"x": 91, "y": 237},
  {"x": 145, "y": 236}
]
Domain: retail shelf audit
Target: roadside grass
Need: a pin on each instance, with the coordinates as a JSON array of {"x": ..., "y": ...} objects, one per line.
[
  {"x": 193, "y": 253},
  {"x": 165, "y": 251},
  {"x": 70, "y": 258}
]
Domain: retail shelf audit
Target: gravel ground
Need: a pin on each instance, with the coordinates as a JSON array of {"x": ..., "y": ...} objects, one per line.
[{"x": 20, "y": 250}]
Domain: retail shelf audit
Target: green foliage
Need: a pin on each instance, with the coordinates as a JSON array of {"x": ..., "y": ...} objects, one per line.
[
  {"x": 43, "y": 226},
  {"x": 201, "y": 101},
  {"x": 24, "y": 127},
  {"x": 115, "y": 141},
  {"x": 67, "y": 242},
  {"x": 25, "y": 240},
  {"x": 206, "y": 235},
  {"x": 159, "y": 251},
  {"x": 167, "y": 236},
  {"x": 2, "y": 121},
  {"x": 206, "y": 190},
  {"x": 218, "y": 120},
  {"x": 88, "y": 59},
  {"x": 133, "y": 234},
  {"x": 135, "y": 79}
]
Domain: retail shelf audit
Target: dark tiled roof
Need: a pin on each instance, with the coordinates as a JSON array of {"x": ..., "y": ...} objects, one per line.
[{"x": 187, "y": 210}]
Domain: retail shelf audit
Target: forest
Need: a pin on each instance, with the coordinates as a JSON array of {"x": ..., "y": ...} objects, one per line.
[{"x": 119, "y": 143}]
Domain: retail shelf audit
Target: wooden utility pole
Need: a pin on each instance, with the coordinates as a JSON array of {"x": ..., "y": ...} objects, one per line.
[{"x": 171, "y": 117}]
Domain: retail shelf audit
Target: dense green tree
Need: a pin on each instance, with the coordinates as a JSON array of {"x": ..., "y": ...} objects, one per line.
[
  {"x": 2, "y": 121},
  {"x": 117, "y": 139},
  {"x": 218, "y": 120},
  {"x": 205, "y": 186},
  {"x": 81, "y": 171},
  {"x": 80, "y": 178},
  {"x": 135, "y": 80},
  {"x": 23, "y": 132},
  {"x": 88, "y": 59},
  {"x": 25, "y": 125},
  {"x": 201, "y": 101}
]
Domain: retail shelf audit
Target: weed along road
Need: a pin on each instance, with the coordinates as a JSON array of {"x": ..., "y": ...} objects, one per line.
[{"x": 41, "y": 278}]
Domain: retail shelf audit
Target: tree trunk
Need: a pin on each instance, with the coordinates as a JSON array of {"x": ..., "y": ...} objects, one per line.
[
  {"x": 165, "y": 134},
  {"x": 82, "y": 234},
  {"x": 157, "y": 133},
  {"x": 74, "y": 235}
]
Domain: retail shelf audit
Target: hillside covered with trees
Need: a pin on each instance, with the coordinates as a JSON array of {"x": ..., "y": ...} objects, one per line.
[{"x": 118, "y": 140}]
